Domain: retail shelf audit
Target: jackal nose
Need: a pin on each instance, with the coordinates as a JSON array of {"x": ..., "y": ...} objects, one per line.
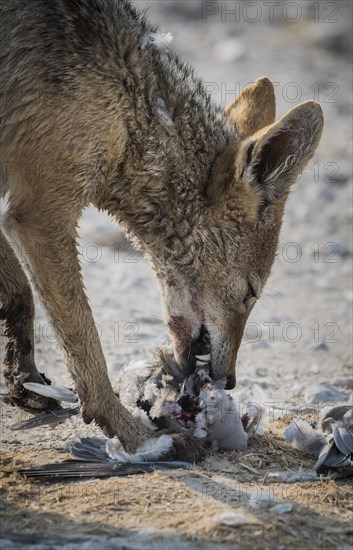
[{"x": 231, "y": 382}]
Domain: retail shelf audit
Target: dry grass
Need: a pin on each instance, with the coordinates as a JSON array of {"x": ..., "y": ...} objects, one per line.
[{"x": 183, "y": 502}]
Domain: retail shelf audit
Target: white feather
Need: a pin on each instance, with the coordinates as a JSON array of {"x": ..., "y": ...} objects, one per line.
[
  {"x": 67, "y": 444},
  {"x": 150, "y": 392},
  {"x": 303, "y": 437},
  {"x": 155, "y": 448},
  {"x": 161, "y": 41},
  {"x": 294, "y": 477},
  {"x": 200, "y": 429},
  {"x": 165, "y": 404},
  {"x": 257, "y": 410},
  {"x": 160, "y": 109},
  {"x": 152, "y": 449},
  {"x": 129, "y": 381},
  {"x": 146, "y": 421},
  {"x": 114, "y": 453}
]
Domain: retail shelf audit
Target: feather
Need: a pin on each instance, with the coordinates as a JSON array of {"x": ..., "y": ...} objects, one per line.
[
  {"x": 153, "y": 449},
  {"x": 294, "y": 477},
  {"x": 343, "y": 440},
  {"x": 74, "y": 469},
  {"x": 59, "y": 393},
  {"x": 255, "y": 408},
  {"x": 282, "y": 508},
  {"x": 288, "y": 410},
  {"x": 161, "y": 41},
  {"x": 90, "y": 449},
  {"x": 335, "y": 458},
  {"x": 113, "y": 453},
  {"x": 337, "y": 412},
  {"x": 348, "y": 419},
  {"x": 200, "y": 429},
  {"x": 303, "y": 437},
  {"x": 101, "y": 449},
  {"x": 47, "y": 418},
  {"x": 325, "y": 451},
  {"x": 155, "y": 385},
  {"x": 160, "y": 110},
  {"x": 132, "y": 382},
  {"x": 165, "y": 404}
]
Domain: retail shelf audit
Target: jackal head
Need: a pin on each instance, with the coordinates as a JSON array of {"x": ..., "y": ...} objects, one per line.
[{"x": 224, "y": 257}]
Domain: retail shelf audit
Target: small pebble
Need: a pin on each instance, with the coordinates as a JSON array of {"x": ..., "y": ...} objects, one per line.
[
  {"x": 261, "y": 344},
  {"x": 266, "y": 385},
  {"x": 232, "y": 519},
  {"x": 343, "y": 382},
  {"x": 261, "y": 497},
  {"x": 298, "y": 387},
  {"x": 228, "y": 51},
  {"x": 261, "y": 371},
  {"x": 282, "y": 508},
  {"x": 321, "y": 347},
  {"x": 323, "y": 393},
  {"x": 315, "y": 369}
]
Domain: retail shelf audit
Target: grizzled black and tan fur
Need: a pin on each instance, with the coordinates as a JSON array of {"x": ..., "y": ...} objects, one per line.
[{"x": 96, "y": 108}]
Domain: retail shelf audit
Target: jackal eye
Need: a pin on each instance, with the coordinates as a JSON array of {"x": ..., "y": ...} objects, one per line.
[{"x": 250, "y": 294}]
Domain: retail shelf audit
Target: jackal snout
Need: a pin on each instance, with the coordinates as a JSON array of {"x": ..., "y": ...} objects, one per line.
[{"x": 210, "y": 336}]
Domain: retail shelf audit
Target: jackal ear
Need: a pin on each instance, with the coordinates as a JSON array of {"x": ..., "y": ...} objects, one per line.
[
  {"x": 280, "y": 153},
  {"x": 254, "y": 108}
]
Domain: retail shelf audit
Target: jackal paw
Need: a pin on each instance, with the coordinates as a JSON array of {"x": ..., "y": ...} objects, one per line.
[{"x": 31, "y": 402}]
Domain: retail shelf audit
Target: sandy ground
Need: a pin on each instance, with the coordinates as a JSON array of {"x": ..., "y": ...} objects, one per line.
[{"x": 299, "y": 333}]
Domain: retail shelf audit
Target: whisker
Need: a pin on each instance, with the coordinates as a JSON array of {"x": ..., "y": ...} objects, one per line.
[
  {"x": 149, "y": 313},
  {"x": 246, "y": 344},
  {"x": 271, "y": 289}
]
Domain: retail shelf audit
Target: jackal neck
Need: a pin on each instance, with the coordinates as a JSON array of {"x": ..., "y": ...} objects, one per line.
[{"x": 158, "y": 190}]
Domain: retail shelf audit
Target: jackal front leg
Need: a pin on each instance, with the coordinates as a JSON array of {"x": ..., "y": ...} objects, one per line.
[
  {"x": 52, "y": 256},
  {"x": 17, "y": 314}
]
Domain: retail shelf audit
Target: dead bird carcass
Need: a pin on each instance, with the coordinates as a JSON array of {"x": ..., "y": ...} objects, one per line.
[{"x": 158, "y": 393}]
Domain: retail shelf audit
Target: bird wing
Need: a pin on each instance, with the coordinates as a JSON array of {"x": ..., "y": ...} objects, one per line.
[
  {"x": 102, "y": 449},
  {"x": 75, "y": 469},
  {"x": 90, "y": 449}
]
